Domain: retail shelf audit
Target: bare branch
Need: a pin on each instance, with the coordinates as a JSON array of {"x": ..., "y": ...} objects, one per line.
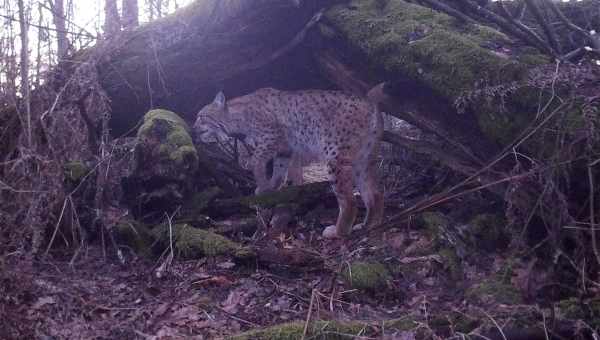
[
  {"x": 594, "y": 39},
  {"x": 548, "y": 31},
  {"x": 448, "y": 10},
  {"x": 518, "y": 24},
  {"x": 506, "y": 26}
]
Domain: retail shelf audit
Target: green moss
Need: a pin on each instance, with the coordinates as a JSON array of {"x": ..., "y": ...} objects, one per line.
[
  {"x": 407, "y": 40},
  {"x": 452, "y": 264},
  {"x": 433, "y": 221},
  {"x": 75, "y": 171},
  {"x": 176, "y": 145},
  {"x": 201, "y": 200},
  {"x": 487, "y": 232},
  {"x": 437, "y": 227},
  {"x": 164, "y": 115},
  {"x": 406, "y": 323},
  {"x": 287, "y": 195},
  {"x": 322, "y": 330},
  {"x": 193, "y": 243},
  {"x": 430, "y": 46},
  {"x": 369, "y": 276},
  {"x": 183, "y": 153},
  {"x": 135, "y": 235},
  {"x": 580, "y": 309},
  {"x": 495, "y": 291},
  {"x": 571, "y": 308}
]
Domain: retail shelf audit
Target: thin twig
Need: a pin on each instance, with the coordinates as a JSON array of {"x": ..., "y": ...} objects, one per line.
[
  {"x": 593, "y": 213},
  {"x": 309, "y": 314}
]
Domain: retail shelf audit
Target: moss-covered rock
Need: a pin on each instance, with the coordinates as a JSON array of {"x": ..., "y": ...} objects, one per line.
[
  {"x": 494, "y": 290},
  {"x": 368, "y": 276},
  {"x": 169, "y": 137},
  {"x": 165, "y": 160},
  {"x": 75, "y": 171}
]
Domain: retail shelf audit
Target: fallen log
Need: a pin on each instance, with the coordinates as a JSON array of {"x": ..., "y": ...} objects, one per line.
[{"x": 181, "y": 61}]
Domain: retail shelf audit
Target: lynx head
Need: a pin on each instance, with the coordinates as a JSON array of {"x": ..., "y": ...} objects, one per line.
[{"x": 209, "y": 121}]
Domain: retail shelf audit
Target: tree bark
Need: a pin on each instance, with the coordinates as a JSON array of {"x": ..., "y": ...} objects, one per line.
[
  {"x": 58, "y": 16},
  {"x": 25, "y": 89},
  {"x": 130, "y": 14},
  {"x": 112, "y": 22}
]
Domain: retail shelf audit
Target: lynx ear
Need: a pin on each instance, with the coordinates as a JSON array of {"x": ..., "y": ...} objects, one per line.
[{"x": 220, "y": 99}]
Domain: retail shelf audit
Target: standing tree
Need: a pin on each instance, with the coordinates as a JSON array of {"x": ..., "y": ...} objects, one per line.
[
  {"x": 24, "y": 27},
  {"x": 58, "y": 15},
  {"x": 130, "y": 14},
  {"x": 112, "y": 22}
]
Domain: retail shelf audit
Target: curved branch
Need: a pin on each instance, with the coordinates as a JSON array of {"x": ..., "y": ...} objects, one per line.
[
  {"x": 594, "y": 40},
  {"x": 548, "y": 31},
  {"x": 519, "y": 24},
  {"x": 448, "y": 10},
  {"x": 506, "y": 26}
]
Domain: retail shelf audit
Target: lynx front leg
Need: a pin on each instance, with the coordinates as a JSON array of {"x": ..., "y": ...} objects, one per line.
[
  {"x": 342, "y": 187},
  {"x": 280, "y": 171},
  {"x": 368, "y": 185},
  {"x": 259, "y": 170},
  {"x": 289, "y": 170}
]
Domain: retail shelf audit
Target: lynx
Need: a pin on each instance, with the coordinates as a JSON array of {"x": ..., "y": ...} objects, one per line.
[{"x": 292, "y": 128}]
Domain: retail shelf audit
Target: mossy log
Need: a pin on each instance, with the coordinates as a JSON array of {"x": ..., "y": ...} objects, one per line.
[
  {"x": 430, "y": 60},
  {"x": 188, "y": 242},
  {"x": 329, "y": 330},
  {"x": 300, "y": 198},
  {"x": 180, "y": 61}
]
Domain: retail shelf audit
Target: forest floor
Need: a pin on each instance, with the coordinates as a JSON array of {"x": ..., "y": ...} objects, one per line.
[
  {"x": 426, "y": 294},
  {"x": 433, "y": 277}
]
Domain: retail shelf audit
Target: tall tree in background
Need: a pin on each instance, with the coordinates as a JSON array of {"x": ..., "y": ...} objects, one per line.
[
  {"x": 130, "y": 14},
  {"x": 24, "y": 32},
  {"x": 112, "y": 23},
  {"x": 58, "y": 16},
  {"x": 155, "y": 8}
]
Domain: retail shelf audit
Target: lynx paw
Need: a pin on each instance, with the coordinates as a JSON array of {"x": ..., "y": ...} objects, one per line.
[
  {"x": 358, "y": 226},
  {"x": 330, "y": 232}
]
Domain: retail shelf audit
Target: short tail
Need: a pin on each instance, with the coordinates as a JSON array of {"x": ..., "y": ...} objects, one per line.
[{"x": 377, "y": 96}]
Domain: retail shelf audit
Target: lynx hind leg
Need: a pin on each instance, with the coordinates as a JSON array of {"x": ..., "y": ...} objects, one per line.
[
  {"x": 295, "y": 172},
  {"x": 368, "y": 186},
  {"x": 281, "y": 167},
  {"x": 342, "y": 187},
  {"x": 286, "y": 172}
]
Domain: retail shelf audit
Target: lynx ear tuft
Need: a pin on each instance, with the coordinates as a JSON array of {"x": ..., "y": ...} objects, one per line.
[{"x": 220, "y": 99}]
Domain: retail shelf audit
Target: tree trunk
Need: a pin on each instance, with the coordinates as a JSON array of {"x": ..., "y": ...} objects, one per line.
[
  {"x": 130, "y": 14},
  {"x": 112, "y": 22},
  {"x": 25, "y": 89},
  {"x": 58, "y": 16}
]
